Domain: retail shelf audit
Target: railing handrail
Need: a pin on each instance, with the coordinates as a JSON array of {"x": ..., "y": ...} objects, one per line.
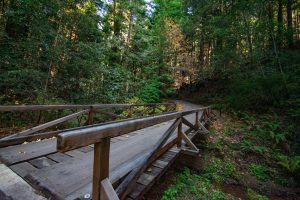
[
  {"x": 14, "y": 108},
  {"x": 73, "y": 139}
]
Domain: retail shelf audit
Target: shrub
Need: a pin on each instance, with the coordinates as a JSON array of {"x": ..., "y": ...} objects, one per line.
[
  {"x": 292, "y": 164},
  {"x": 150, "y": 92},
  {"x": 259, "y": 171}
]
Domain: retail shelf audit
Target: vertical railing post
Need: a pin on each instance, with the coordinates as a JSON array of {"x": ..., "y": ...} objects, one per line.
[
  {"x": 101, "y": 165},
  {"x": 130, "y": 112},
  {"x": 197, "y": 120},
  {"x": 204, "y": 116},
  {"x": 91, "y": 116},
  {"x": 179, "y": 134}
]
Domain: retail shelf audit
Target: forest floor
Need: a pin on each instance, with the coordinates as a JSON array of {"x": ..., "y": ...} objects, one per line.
[{"x": 235, "y": 163}]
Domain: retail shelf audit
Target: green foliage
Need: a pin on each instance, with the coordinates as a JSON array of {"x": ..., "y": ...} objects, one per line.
[
  {"x": 257, "y": 92},
  {"x": 248, "y": 145},
  {"x": 190, "y": 185},
  {"x": 282, "y": 181},
  {"x": 217, "y": 170},
  {"x": 71, "y": 52},
  {"x": 150, "y": 92},
  {"x": 291, "y": 163},
  {"x": 252, "y": 195},
  {"x": 261, "y": 172}
]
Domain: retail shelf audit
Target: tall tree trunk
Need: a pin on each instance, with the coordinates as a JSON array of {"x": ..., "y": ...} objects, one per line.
[
  {"x": 201, "y": 53},
  {"x": 115, "y": 19},
  {"x": 271, "y": 26},
  {"x": 129, "y": 24},
  {"x": 289, "y": 23},
  {"x": 280, "y": 24}
]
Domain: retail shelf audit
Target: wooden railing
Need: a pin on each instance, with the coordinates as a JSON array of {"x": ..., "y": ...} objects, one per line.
[
  {"x": 87, "y": 111},
  {"x": 100, "y": 136}
]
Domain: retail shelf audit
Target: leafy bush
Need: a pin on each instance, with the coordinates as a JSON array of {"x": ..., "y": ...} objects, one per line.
[
  {"x": 292, "y": 164},
  {"x": 217, "y": 170},
  {"x": 257, "y": 92},
  {"x": 259, "y": 171},
  {"x": 150, "y": 92},
  {"x": 263, "y": 92},
  {"x": 193, "y": 186},
  {"x": 247, "y": 145},
  {"x": 252, "y": 195}
]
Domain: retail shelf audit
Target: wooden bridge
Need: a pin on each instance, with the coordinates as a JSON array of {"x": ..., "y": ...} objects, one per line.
[{"x": 119, "y": 159}]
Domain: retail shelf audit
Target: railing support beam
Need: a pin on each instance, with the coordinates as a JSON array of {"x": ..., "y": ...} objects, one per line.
[
  {"x": 179, "y": 135},
  {"x": 197, "y": 122},
  {"x": 101, "y": 165}
]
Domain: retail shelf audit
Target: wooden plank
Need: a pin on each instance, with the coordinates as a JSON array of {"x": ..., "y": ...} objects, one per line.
[
  {"x": 203, "y": 129},
  {"x": 72, "y": 178},
  {"x": 42, "y": 162},
  {"x": 160, "y": 164},
  {"x": 75, "y": 153},
  {"x": 154, "y": 171},
  {"x": 116, "y": 173},
  {"x": 86, "y": 149},
  {"x": 50, "y": 134},
  {"x": 59, "y": 157},
  {"x": 14, "y": 187},
  {"x": 107, "y": 191},
  {"x": 197, "y": 120},
  {"x": 179, "y": 135},
  {"x": 145, "y": 179},
  {"x": 138, "y": 189},
  {"x": 47, "y": 125},
  {"x": 15, "y": 154},
  {"x": 186, "y": 122},
  {"x": 74, "y": 139},
  {"x": 125, "y": 187},
  {"x": 28, "y": 138},
  {"x": 22, "y": 169},
  {"x": 189, "y": 142},
  {"x": 101, "y": 166},
  {"x": 190, "y": 152}
]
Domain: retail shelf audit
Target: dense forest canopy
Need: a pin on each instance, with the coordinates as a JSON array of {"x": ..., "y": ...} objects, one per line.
[{"x": 108, "y": 51}]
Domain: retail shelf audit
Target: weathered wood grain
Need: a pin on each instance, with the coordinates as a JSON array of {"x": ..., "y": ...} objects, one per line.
[
  {"x": 42, "y": 162},
  {"x": 15, "y": 154},
  {"x": 107, "y": 191},
  {"x": 73, "y": 139},
  {"x": 14, "y": 187},
  {"x": 125, "y": 187},
  {"x": 22, "y": 169},
  {"x": 100, "y": 166}
]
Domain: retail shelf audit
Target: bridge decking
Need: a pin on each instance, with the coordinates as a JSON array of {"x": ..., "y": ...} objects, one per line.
[{"x": 69, "y": 175}]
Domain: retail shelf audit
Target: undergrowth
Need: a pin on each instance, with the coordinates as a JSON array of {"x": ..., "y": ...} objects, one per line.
[{"x": 241, "y": 145}]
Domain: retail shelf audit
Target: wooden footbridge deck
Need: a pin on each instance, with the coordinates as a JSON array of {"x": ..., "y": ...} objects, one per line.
[{"x": 120, "y": 159}]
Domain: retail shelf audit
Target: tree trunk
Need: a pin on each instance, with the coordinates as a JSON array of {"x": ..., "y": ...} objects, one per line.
[
  {"x": 271, "y": 26},
  {"x": 289, "y": 23},
  {"x": 129, "y": 24},
  {"x": 280, "y": 24},
  {"x": 201, "y": 53}
]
